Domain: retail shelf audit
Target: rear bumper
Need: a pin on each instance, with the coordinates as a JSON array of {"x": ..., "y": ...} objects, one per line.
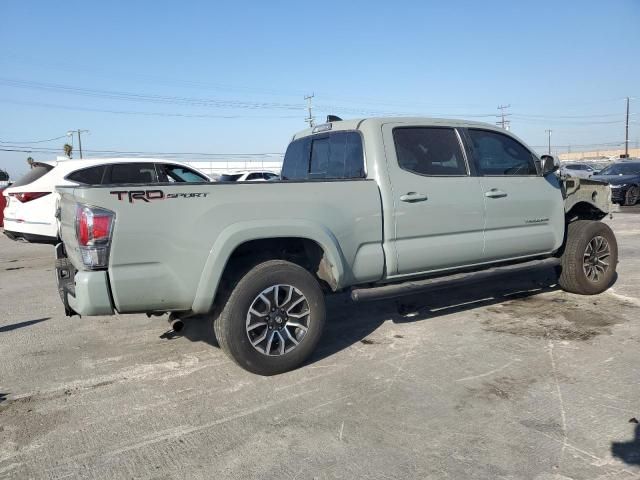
[
  {"x": 30, "y": 237},
  {"x": 81, "y": 292}
]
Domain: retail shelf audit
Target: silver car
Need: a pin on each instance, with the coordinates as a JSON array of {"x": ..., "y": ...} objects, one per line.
[{"x": 576, "y": 169}]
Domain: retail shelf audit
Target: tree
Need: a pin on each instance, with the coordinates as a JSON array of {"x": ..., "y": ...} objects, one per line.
[
  {"x": 68, "y": 149},
  {"x": 30, "y": 161}
]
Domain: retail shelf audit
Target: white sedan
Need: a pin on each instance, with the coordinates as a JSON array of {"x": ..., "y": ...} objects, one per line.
[
  {"x": 576, "y": 169},
  {"x": 248, "y": 176},
  {"x": 31, "y": 201}
]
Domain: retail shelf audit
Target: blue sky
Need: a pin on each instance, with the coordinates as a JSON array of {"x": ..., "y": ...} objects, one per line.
[{"x": 183, "y": 65}]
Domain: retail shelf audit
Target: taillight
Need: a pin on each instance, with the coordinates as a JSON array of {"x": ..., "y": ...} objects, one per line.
[
  {"x": 93, "y": 230},
  {"x": 25, "y": 197}
]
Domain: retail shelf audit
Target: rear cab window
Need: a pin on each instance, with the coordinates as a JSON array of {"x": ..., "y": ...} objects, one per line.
[{"x": 327, "y": 156}]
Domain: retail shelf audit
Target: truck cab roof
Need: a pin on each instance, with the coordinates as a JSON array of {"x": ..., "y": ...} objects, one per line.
[{"x": 358, "y": 124}]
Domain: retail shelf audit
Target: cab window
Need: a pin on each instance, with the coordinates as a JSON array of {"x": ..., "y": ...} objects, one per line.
[
  {"x": 431, "y": 151},
  {"x": 496, "y": 154}
]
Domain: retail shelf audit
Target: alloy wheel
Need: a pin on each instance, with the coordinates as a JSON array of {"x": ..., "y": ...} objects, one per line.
[
  {"x": 596, "y": 258},
  {"x": 277, "y": 320}
]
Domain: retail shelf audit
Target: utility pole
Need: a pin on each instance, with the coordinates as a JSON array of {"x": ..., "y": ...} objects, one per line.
[
  {"x": 503, "y": 122},
  {"x": 626, "y": 133},
  {"x": 549, "y": 134},
  {"x": 310, "y": 119},
  {"x": 78, "y": 131}
]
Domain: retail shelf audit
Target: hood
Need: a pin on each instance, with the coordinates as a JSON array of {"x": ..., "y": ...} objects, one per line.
[{"x": 617, "y": 179}]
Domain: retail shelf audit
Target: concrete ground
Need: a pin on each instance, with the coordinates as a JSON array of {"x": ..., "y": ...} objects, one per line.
[{"x": 508, "y": 379}]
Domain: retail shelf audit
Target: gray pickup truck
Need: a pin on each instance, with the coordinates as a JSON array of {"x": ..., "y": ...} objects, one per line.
[{"x": 377, "y": 205}]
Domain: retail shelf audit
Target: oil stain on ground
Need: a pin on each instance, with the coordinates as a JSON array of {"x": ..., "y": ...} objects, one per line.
[{"x": 556, "y": 317}]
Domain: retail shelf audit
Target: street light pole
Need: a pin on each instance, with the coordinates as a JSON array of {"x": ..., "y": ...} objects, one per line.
[{"x": 626, "y": 133}]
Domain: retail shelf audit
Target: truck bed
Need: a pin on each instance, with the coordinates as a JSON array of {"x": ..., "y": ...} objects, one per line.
[{"x": 193, "y": 225}]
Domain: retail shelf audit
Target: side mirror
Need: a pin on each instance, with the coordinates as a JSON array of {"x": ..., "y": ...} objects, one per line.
[{"x": 550, "y": 164}]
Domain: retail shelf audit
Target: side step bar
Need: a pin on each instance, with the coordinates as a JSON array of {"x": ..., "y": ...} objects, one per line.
[{"x": 415, "y": 286}]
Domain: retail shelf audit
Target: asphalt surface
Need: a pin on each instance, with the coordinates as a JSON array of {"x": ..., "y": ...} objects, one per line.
[{"x": 509, "y": 379}]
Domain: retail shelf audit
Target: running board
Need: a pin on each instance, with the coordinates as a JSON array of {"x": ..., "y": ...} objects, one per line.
[{"x": 415, "y": 286}]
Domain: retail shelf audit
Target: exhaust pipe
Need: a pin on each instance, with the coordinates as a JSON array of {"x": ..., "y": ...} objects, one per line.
[{"x": 177, "y": 325}]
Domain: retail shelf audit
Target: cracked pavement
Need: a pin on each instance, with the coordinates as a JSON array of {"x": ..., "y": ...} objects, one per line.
[{"x": 510, "y": 379}]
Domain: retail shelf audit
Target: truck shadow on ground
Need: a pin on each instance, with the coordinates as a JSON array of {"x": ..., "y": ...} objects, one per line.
[
  {"x": 349, "y": 322},
  {"x": 3, "y": 397},
  {"x": 628, "y": 452}
]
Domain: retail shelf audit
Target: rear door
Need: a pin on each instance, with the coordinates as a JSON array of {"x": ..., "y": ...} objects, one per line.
[
  {"x": 438, "y": 205},
  {"x": 524, "y": 210}
]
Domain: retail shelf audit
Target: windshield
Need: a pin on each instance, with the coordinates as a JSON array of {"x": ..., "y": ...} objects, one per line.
[
  {"x": 38, "y": 170},
  {"x": 229, "y": 178},
  {"x": 622, "y": 169}
]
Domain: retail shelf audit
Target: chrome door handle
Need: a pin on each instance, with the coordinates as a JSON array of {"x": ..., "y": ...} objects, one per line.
[
  {"x": 495, "y": 193},
  {"x": 413, "y": 197}
]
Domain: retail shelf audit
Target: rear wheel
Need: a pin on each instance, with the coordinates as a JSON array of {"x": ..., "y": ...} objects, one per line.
[
  {"x": 590, "y": 257},
  {"x": 273, "y": 319},
  {"x": 631, "y": 197}
]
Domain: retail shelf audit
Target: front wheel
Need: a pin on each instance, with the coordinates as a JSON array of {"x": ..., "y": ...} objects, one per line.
[
  {"x": 590, "y": 257},
  {"x": 273, "y": 318}
]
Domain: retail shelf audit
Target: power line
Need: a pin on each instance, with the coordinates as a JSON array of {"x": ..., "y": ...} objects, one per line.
[
  {"x": 130, "y": 112},
  {"x": 123, "y": 152},
  {"x": 158, "y": 99},
  {"x": 34, "y": 141}
]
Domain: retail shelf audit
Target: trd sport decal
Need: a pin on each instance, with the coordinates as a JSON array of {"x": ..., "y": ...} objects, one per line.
[{"x": 150, "y": 195}]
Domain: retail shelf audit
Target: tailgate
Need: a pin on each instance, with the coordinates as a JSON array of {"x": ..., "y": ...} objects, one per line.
[{"x": 66, "y": 217}]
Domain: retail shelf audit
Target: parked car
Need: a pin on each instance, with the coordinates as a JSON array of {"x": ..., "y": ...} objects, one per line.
[
  {"x": 597, "y": 166},
  {"x": 575, "y": 169},
  {"x": 248, "y": 176},
  {"x": 431, "y": 199},
  {"x": 31, "y": 203},
  {"x": 624, "y": 178},
  {"x": 3, "y": 203}
]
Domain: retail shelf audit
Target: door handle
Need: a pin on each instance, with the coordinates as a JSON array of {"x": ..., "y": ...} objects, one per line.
[
  {"x": 413, "y": 197},
  {"x": 495, "y": 193}
]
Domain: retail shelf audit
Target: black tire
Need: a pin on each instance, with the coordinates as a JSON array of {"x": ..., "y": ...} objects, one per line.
[
  {"x": 230, "y": 325},
  {"x": 631, "y": 197},
  {"x": 573, "y": 277}
]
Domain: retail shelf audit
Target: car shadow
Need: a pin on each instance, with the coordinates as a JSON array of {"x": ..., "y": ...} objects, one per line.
[
  {"x": 16, "y": 326},
  {"x": 628, "y": 452},
  {"x": 350, "y": 322},
  {"x": 3, "y": 396}
]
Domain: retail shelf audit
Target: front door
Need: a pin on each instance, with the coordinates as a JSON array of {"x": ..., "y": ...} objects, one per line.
[
  {"x": 524, "y": 210},
  {"x": 437, "y": 205}
]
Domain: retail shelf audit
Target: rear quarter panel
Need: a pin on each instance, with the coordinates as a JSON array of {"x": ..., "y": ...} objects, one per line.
[{"x": 167, "y": 254}]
